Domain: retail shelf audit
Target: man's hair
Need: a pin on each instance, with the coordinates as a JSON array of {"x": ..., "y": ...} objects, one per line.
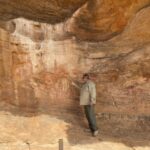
[{"x": 86, "y": 75}]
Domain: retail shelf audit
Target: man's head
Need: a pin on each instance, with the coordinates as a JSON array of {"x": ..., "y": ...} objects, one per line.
[{"x": 86, "y": 77}]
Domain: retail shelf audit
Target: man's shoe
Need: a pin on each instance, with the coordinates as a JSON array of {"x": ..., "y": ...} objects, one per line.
[{"x": 95, "y": 133}]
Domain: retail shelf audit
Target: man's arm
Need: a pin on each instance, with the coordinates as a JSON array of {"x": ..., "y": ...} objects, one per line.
[{"x": 76, "y": 85}]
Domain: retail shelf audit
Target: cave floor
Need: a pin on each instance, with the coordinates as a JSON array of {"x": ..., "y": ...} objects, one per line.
[{"x": 41, "y": 131}]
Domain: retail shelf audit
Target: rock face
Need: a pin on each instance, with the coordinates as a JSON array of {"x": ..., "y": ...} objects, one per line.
[
  {"x": 110, "y": 40},
  {"x": 102, "y": 20},
  {"x": 92, "y": 20},
  {"x": 51, "y": 11}
]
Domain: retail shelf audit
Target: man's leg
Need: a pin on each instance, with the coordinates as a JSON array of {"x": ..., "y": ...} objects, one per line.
[{"x": 90, "y": 115}]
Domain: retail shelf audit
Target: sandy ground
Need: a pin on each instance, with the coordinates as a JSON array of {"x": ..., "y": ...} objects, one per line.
[{"x": 42, "y": 130}]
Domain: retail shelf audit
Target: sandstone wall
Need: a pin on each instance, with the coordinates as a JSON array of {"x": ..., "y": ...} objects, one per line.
[{"x": 38, "y": 61}]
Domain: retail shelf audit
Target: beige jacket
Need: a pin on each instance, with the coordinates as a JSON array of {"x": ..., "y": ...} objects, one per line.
[{"x": 87, "y": 92}]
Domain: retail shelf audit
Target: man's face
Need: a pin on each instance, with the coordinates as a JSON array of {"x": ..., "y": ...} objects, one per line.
[{"x": 85, "y": 79}]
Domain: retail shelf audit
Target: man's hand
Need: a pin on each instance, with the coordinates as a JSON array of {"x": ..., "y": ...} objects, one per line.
[
  {"x": 72, "y": 83},
  {"x": 91, "y": 103},
  {"x": 75, "y": 85}
]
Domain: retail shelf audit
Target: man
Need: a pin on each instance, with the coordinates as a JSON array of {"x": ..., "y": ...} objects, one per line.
[{"x": 88, "y": 100}]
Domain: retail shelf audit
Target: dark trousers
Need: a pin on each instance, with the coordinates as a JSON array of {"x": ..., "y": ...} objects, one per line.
[{"x": 90, "y": 115}]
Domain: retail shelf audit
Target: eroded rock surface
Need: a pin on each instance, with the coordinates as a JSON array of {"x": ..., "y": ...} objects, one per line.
[
  {"x": 100, "y": 20},
  {"x": 92, "y": 20},
  {"x": 39, "y": 61},
  {"x": 51, "y": 11}
]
